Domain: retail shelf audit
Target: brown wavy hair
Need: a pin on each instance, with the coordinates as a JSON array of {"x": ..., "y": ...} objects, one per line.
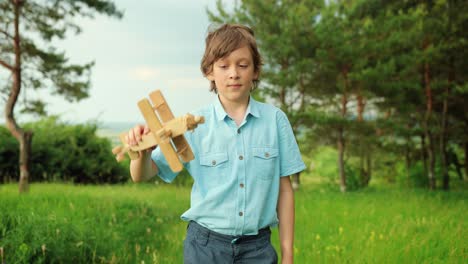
[{"x": 224, "y": 40}]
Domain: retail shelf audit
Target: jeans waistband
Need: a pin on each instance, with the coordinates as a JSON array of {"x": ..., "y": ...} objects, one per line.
[{"x": 264, "y": 232}]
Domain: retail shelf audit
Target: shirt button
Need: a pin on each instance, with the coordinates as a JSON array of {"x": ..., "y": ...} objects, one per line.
[
  {"x": 267, "y": 154},
  {"x": 241, "y": 157},
  {"x": 238, "y": 131},
  {"x": 241, "y": 214},
  {"x": 213, "y": 162},
  {"x": 241, "y": 185}
]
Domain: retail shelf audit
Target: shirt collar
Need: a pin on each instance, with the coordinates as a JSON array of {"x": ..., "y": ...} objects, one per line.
[{"x": 252, "y": 109}]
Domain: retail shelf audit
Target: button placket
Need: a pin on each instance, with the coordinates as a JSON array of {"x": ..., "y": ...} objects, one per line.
[{"x": 241, "y": 179}]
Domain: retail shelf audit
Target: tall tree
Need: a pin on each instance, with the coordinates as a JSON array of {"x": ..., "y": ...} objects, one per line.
[{"x": 27, "y": 28}]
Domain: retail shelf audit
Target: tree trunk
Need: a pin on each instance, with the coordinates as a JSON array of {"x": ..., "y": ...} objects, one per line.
[
  {"x": 424, "y": 153},
  {"x": 25, "y": 150},
  {"x": 369, "y": 168},
  {"x": 408, "y": 162},
  {"x": 24, "y": 137},
  {"x": 363, "y": 154},
  {"x": 341, "y": 137},
  {"x": 427, "y": 129},
  {"x": 443, "y": 136},
  {"x": 362, "y": 169},
  {"x": 365, "y": 169},
  {"x": 341, "y": 160},
  {"x": 431, "y": 158}
]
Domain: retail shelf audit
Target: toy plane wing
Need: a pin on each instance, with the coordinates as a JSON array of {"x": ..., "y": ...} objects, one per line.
[{"x": 168, "y": 134}]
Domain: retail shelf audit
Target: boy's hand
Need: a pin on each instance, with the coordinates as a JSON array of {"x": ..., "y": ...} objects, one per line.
[{"x": 135, "y": 134}]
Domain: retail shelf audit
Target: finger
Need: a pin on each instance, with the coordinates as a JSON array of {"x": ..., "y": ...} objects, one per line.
[
  {"x": 146, "y": 130},
  {"x": 117, "y": 150},
  {"x": 120, "y": 157},
  {"x": 131, "y": 137},
  {"x": 127, "y": 138},
  {"x": 137, "y": 133}
]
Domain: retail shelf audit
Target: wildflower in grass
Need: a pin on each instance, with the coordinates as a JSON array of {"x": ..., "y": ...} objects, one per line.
[
  {"x": 340, "y": 230},
  {"x": 57, "y": 231},
  {"x": 155, "y": 257},
  {"x": 148, "y": 230},
  {"x": 296, "y": 250},
  {"x": 317, "y": 237},
  {"x": 137, "y": 249},
  {"x": 381, "y": 237},
  {"x": 43, "y": 247},
  {"x": 372, "y": 236}
]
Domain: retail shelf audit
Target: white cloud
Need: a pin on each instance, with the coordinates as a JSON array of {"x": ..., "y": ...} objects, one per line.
[
  {"x": 145, "y": 73},
  {"x": 188, "y": 83}
]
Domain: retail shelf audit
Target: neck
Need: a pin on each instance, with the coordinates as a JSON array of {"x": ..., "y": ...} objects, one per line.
[{"x": 235, "y": 109}]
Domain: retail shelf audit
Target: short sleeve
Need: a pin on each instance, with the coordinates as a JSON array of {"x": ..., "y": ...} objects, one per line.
[
  {"x": 164, "y": 171},
  {"x": 290, "y": 155}
]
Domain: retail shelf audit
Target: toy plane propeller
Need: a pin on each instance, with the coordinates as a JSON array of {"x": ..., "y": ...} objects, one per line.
[{"x": 167, "y": 133}]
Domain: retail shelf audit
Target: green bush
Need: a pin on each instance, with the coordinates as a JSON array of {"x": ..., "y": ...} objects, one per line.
[{"x": 63, "y": 152}]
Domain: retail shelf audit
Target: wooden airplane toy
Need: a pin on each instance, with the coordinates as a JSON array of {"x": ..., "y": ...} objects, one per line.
[{"x": 162, "y": 133}]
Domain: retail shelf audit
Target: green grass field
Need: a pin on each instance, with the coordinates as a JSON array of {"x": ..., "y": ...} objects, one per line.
[{"x": 60, "y": 223}]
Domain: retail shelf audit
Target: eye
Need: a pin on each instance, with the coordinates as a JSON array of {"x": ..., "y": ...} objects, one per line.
[
  {"x": 243, "y": 65},
  {"x": 222, "y": 66}
]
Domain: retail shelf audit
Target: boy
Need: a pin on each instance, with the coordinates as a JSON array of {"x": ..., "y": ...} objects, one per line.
[{"x": 244, "y": 154}]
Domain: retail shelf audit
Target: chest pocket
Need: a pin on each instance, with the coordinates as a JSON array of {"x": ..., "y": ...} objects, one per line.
[
  {"x": 214, "y": 168},
  {"x": 265, "y": 161}
]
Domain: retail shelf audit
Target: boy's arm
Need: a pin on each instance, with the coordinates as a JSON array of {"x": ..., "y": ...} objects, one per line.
[
  {"x": 285, "y": 210},
  {"x": 144, "y": 168}
]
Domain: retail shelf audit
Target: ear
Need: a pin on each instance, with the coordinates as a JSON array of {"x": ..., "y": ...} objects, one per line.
[
  {"x": 210, "y": 76},
  {"x": 255, "y": 75}
]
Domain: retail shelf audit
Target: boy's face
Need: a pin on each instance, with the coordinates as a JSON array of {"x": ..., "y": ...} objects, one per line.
[{"x": 233, "y": 76}]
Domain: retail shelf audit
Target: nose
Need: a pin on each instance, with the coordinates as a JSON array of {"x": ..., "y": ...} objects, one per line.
[{"x": 233, "y": 73}]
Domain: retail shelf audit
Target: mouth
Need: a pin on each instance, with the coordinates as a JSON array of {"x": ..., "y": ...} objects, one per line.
[{"x": 235, "y": 85}]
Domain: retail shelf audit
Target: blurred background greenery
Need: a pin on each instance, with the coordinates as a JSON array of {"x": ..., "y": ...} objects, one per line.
[{"x": 375, "y": 91}]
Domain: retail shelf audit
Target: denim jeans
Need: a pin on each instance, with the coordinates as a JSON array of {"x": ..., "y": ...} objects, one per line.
[{"x": 203, "y": 246}]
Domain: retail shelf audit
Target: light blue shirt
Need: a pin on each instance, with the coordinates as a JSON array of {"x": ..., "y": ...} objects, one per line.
[{"x": 237, "y": 170}]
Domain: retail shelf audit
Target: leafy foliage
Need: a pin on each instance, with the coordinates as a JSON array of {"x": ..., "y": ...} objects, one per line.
[
  {"x": 42, "y": 65},
  {"x": 63, "y": 152}
]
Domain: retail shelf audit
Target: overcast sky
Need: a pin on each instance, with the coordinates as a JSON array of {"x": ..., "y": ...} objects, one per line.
[{"x": 158, "y": 44}]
